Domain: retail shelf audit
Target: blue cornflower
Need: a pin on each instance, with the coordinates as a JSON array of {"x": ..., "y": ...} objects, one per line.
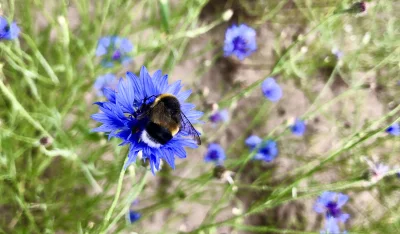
[
  {"x": 271, "y": 90},
  {"x": 8, "y": 31},
  {"x": 394, "y": 129},
  {"x": 267, "y": 150},
  {"x": 117, "y": 117},
  {"x": 332, "y": 227},
  {"x": 298, "y": 128},
  {"x": 215, "y": 153},
  {"x": 115, "y": 49},
  {"x": 105, "y": 81},
  {"x": 133, "y": 216},
  {"x": 220, "y": 116},
  {"x": 240, "y": 41},
  {"x": 330, "y": 204}
]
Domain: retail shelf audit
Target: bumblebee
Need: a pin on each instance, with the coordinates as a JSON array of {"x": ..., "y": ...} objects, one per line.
[{"x": 165, "y": 120}]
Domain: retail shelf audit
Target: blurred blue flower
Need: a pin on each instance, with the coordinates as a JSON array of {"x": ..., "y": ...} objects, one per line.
[
  {"x": 114, "y": 49},
  {"x": 330, "y": 204},
  {"x": 8, "y": 31},
  {"x": 220, "y": 116},
  {"x": 298, "y": 128},
  {"x": 215, "y": 153},
  {"x": 271, "y": 90},
  {"x": 394, "y": 129},
  {"x": 133, "y": 216},
  {"x": 109, "y": 81},
  {"x": 117, "y": 117},
  {"x": 332, "y": 227},
  {"x": 267, "y": 150},
  {"x": 240, "y": 41}
]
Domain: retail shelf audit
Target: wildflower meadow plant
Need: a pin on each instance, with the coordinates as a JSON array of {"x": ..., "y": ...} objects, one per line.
[
  {"x": 298, "y": 128},
  {"x": 8, "y": 31},
  {"x": 240, "y": 41},
  {"x": 220, "y": 116},
  {"x": 133, "y": 216},
  {"x": 266, "y": 150},
  {"x": 394, "y": 129},
  {"x": 330, "y": 204},
  {"x": 215, "y": 153},
  {"x": 271, "y": 90},
  {"x": 118, "y": 117},
  {"x": 114, "y": 49}
]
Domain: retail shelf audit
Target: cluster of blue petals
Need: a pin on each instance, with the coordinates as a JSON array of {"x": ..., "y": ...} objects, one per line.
[
  {"x": 8, "y": 31},
  {"x": 117, "y": 118},
  {"x": 266, "y": 150},
  {"x": 240, "y": 41},
  {"x": 330, "y": 204},
  {"x": 215, "y": 153},
  {"x": 271, "y": 90},
  {"x": 298, "y": 128},
  {"x": 114, "y": 49},
  {"x": 220, "y": 116},
  {"x": 394, "y": 129}
]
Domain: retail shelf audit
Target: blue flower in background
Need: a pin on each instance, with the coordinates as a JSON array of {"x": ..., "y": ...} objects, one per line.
[
  {"x": 271, "y": 90},
  {"x": 114, "y": 49},
  {"x": 8, "y": 31},
  {"x": 298, "y": 128},
  {"x": 240, "y": 41},
  {"x": 117, "y": 117},
  {"x": 133, "y": 216},
  {"x": 109, "y": 81},
  {"x": 215, "y": 153},
  {"x": 267, "y": 150},
  {"x": 394, "y": 129},
  {"x": 220, "y": 116},
  {"x": 332, "y": 227},
  {"x": 330, "y": 204}
]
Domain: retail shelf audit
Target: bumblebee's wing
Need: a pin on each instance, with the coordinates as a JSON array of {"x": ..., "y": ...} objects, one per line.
[{"x": 187, "y": 127}]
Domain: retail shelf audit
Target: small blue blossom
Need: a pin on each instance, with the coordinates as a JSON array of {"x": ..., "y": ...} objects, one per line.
[
  {"x": 8, "y": 31},
  {"x": 114, "y": 49},
  {"x": 338, "y": 53},
  {"x": 394, "y": 129},
  {"x": 298, "y": 128},
  {"x": 220, "y": 116},
  {"x": 240, "y": 41},
  {"x": 117, "y": 117},
  {"x": 133, "y": 216},
  {"x": 107, "y": 81},
  {"x": 271, "y": 90},
  {"x": 267, "y": 150},
  {"x": 215, "y": 153},
  {"x": 332, "y": 227},
  {"x": 330, "y": 204}
]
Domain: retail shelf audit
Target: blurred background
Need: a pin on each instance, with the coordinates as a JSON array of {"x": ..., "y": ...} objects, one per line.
[{"x": 338, "y": 69}]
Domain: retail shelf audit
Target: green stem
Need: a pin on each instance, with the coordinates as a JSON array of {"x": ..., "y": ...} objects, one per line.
[{"x": 116, "y": 197}]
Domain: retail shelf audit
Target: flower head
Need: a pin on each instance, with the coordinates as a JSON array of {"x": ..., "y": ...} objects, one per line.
[
  {"x": 220, "y": 116},
  {"x": 394, "y": 129},
  {"x": 8, "y": 31},
  {"x": 215, "y": 153},
  {"x": 114, "y": 49},
  {"x": 133, "y": 216},
  {"x": 271, "y": 90},
  {"x": 330, "y": 204},
  {"x": 298, "y": 128},
  {"x": 119, "y": 117},
  {"x": 109, "y": 81},
  {"x": 240, "y": 41},
  {"x": 267, "y": 150}
]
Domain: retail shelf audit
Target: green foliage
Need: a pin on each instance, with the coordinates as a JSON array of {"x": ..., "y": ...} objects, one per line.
[{"x": 75, "y": 183}]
